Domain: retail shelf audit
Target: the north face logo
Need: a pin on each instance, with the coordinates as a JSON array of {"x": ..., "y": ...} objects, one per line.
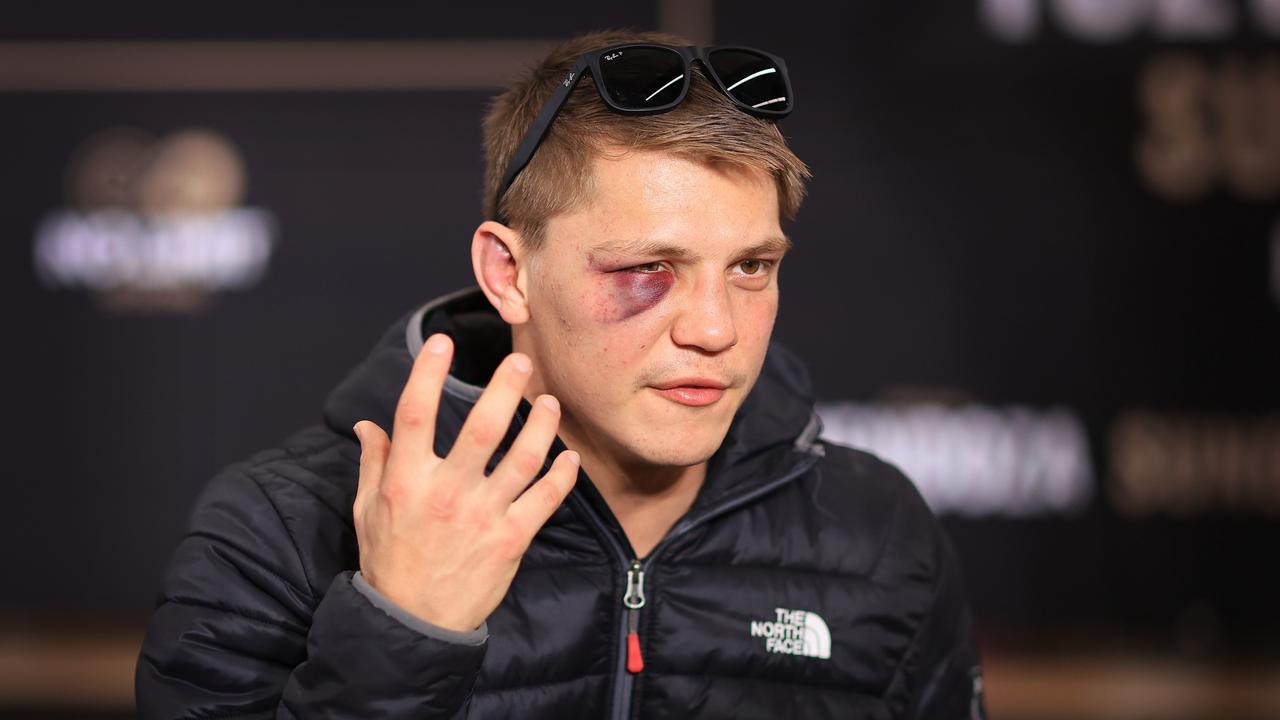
[{"x": 794, "y": 632}]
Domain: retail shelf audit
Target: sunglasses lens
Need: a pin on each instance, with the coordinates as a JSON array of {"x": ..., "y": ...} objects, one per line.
[
  {"x": 643, "y": 78},
  {"x": 752, "y": 79}
]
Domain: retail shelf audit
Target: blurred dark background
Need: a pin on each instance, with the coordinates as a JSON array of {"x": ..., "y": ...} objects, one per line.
[{"x": 1036, "y": 229}]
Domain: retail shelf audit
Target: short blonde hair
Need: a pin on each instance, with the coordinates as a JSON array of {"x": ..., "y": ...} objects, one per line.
[{"x": 706, "y": 127}]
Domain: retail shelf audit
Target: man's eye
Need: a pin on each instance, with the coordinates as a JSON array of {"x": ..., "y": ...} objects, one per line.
[
  {"x": 756, "y": 267},
  {"x": 651, "y": 267}
]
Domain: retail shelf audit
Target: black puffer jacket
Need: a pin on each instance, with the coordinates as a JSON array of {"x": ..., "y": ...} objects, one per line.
[{"x": 808, "y": 580}]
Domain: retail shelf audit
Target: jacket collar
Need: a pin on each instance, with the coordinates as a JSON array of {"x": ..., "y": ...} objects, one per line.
[{"x": 774, "y": 429}]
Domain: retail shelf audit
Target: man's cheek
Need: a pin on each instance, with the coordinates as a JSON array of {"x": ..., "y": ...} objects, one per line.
[{"x": 762, "y": 312}]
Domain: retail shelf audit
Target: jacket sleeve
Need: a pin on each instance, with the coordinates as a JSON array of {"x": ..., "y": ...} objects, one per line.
[
  {"x": 947, "y": 675},
  {"x": 247, "y": 627}
]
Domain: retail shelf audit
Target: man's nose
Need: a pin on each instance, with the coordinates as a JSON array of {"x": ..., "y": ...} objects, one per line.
[{"x": 706, "y": 319}]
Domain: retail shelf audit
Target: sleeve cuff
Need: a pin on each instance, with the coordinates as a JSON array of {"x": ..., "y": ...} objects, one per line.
[{"x": 413, "y": 622}]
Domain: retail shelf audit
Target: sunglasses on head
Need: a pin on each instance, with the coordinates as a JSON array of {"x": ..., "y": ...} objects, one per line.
[{"x": 647, "y": 78}]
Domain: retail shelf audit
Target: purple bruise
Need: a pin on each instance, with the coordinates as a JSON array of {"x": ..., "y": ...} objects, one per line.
[{"x": 635, "y": 292}]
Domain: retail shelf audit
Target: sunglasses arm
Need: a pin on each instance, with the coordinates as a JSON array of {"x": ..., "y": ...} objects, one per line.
[{"x": 538, "y": 130}]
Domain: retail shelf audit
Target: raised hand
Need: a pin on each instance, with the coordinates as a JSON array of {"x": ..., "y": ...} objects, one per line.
[{"x": 437, "y": 536}]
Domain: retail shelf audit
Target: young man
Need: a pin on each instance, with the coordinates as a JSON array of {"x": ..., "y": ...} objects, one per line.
[{"x": 605, "y": 495}]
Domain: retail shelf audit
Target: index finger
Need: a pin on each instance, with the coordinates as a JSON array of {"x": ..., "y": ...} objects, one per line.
[{"x": 414, "y": 428}]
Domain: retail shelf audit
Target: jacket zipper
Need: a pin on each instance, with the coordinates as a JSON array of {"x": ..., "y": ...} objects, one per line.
[
  {"x": 630, "y": 661},
  {"x": 633, "y": 600},
  {"x": 623, "y": 679}
]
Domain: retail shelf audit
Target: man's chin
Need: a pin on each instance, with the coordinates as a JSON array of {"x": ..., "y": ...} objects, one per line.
[
  {"x": 689, "y": 431},
  {"x": 678, "y": 456},
  {"x": 678, "y": 446}
]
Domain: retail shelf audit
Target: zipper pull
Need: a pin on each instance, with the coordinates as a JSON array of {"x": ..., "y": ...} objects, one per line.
[{"x": 634, "y": 600}]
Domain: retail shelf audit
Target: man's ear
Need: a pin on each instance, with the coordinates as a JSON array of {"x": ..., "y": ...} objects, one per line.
[{"x": 497, "y": 257}]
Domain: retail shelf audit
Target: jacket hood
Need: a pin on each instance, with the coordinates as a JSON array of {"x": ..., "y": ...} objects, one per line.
[{"x": 774, "y": 428}]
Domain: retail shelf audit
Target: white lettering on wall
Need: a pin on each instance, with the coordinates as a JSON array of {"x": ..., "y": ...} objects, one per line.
[
  {"x": 1204, "y": 19},
  {"x": 1014, "y": 21},
  {"x": 115, "y": 248},
  {"x": 1111, "y": 21},
  {"x": 975, "y": 459},
  {"x": 1100, "y": 21}
]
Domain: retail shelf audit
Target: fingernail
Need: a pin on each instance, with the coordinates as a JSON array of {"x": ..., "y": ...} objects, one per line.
[
  {"x": 356, "y": 429},
  {"x": 437, "y": 344},
  {"x": 573, "y": 457},
  {"x": 521, "y": 362},
  {"x": 550, "y": 402}
]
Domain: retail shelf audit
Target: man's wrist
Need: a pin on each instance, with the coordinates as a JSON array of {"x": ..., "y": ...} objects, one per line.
[{"x": 385, "y": 604}]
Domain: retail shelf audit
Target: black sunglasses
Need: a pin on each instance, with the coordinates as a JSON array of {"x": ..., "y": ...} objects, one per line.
[{"x": 645, "y": 78}]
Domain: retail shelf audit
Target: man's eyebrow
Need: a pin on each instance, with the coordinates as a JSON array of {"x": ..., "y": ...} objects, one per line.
[
  {"x": 645, "y": 248},
  {"x": 779, "y": 244}
]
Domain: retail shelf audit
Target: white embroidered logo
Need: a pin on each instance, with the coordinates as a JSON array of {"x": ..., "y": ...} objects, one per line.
[{"x": 794, "y": 632}]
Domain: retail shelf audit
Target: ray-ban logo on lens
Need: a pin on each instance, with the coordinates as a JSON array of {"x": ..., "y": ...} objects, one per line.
[
  {"x": 794, "y": 632},
  {"x": 613, "y": 55}
]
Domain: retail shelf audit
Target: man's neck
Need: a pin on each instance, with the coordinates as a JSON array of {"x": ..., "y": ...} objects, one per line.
[
  {"x": 648, "y": 509},
  {"x": 646, "y": 499}
]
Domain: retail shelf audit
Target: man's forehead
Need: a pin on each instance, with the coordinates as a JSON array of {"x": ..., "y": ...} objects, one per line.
[
  {"x": 649, "y": 247},
  {"x": 644, "y": 202}
]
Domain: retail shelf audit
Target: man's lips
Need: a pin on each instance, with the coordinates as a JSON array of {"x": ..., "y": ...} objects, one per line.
[
  {"x": 692, "y": 382},
  {"x": 693, "y": 391}
]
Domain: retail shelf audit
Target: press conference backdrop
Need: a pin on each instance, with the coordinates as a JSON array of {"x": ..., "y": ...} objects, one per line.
[{"x": 1038, "y": 268}]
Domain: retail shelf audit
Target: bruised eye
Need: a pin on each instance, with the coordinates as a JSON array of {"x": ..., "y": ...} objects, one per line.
[{"x": 648, "y": 267}]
